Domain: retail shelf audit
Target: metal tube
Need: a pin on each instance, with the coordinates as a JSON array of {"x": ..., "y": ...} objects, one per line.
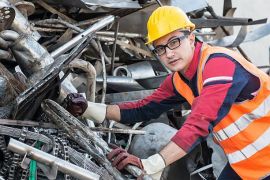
[
  {"x": 90, "y": 76},
  {"x": 120, "y": 34},
  {"x": 104, "y": 75},
  {"x": 114, "y": 45},
  {"x": 92, "y": 29},
  {"x": 45, "y": 158}
]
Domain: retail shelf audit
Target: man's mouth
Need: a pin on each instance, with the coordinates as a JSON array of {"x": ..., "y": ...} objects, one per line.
[{"x": 173, "y": 61}]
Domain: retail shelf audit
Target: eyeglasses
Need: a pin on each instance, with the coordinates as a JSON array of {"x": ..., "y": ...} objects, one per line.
[{"x": 173, "y": 44}]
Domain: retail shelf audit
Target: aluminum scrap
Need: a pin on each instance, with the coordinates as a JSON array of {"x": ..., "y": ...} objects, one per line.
[{"x": 92, "y": 47}]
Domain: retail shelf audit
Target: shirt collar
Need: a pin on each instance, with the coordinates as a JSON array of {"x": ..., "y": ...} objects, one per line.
[{"x": 194, "y": 63}]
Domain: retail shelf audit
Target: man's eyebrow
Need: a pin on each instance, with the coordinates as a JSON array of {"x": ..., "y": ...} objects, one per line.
[
  {"x": 167, "y": 41},
  {"x": 171, "y": 38}
]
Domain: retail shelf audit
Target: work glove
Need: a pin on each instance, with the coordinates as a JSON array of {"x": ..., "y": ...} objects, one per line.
[
  {"x": 120, "y": 158},
  {"x": 95, "y": 112},
  {"x": 153, "y": 165},
  {"x": 75, "y": 103}
]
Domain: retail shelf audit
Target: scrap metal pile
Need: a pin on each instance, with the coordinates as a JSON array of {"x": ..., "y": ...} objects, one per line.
[{"x": 49, "y": 49}]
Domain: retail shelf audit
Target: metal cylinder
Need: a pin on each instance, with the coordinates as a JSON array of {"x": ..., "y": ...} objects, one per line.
[
  {"x": 92, "y": 29},
  {"x": 20, "y": 23},
  {"x": 50, "y": 160},
  {"x": 30, "y": 55},
  {"x": 121, "y": 84}
]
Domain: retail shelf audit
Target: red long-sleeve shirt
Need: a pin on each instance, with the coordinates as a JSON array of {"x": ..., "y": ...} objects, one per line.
[{"x": 225, "y": 82}]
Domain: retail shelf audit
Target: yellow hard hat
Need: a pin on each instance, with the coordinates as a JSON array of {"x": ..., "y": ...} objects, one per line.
[{"x": 165, "y": 20}]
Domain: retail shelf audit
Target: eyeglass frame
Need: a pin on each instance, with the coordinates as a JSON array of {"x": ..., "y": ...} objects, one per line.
[{"x": 180, "y": 38}]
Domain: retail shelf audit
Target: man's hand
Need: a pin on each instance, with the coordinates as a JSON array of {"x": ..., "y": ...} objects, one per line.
[
  {"x": 76, "y": 104},
  {"x": 120, "y": 158}
]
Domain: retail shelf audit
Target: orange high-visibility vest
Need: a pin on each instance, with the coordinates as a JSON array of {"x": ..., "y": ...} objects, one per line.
[{"x": 244, "y": 133}]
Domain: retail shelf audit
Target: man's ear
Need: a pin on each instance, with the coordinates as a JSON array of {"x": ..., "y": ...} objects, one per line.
[{"x": 191, "y": 37}]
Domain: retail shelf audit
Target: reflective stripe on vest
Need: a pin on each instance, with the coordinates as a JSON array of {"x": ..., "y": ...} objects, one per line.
[
  {"x": 262, "y": 142},
  {"x": 241, "y": 123}
]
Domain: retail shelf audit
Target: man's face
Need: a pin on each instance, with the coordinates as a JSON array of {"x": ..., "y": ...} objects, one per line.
[{"x": 178, "y": 52}]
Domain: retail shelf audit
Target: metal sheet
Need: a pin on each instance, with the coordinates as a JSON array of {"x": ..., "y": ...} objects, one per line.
[
  {"x": 113, "y": 3},
  {"x": 92, "y": 3},
  {"x": 186, "y": 5},
  {"x": 251, "y": 36}
]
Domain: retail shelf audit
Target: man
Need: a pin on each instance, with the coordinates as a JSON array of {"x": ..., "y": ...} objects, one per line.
[{"x": 229, "y": 97}]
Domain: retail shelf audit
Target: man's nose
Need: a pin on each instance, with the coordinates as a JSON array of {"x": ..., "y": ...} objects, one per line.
[{"x": 169, "y": 52}]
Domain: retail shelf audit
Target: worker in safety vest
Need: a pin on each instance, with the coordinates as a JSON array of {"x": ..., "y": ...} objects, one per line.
[{"x": 229, "y": 98}]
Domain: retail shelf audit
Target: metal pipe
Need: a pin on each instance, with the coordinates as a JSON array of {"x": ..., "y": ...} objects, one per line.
[
  {"x": 50, "y": 160},
  {"x": 104, "y": 75},
  {"x": 120, "y": 34},
  {"x": 121, "y": 84},
  {"x": 89, "y": 31},
  {"x": 90, "y": 76},
  {"x": 114, "y": 45},
  {"x": 159, "y": 3}
]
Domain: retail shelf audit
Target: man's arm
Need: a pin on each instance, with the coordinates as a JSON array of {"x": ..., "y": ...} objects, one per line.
[
  {"x": 113, "y": 113},
  {"x": 150, "y": 107},
  {"x": 172, "y": 153}
]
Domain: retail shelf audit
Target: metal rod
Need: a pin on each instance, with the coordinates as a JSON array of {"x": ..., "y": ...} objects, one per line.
[
  {"x": 104, "y": 75},
  {"x": 159, "y": 3},
  {"x": 115, "y": 130},
  {"x": 12, "y": 122},
  {"x": 54, "y": 11},
  {"x": 114, "y": 45},
  {"x": 50, "y": 160},
  {"x": 92, "y": 29},
  {"x": 120, "y": 34},
  {"x": 212, "y": 12}
]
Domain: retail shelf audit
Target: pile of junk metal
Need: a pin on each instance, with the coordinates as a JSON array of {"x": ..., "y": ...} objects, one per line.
[{"x": 50, "y": 48}]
